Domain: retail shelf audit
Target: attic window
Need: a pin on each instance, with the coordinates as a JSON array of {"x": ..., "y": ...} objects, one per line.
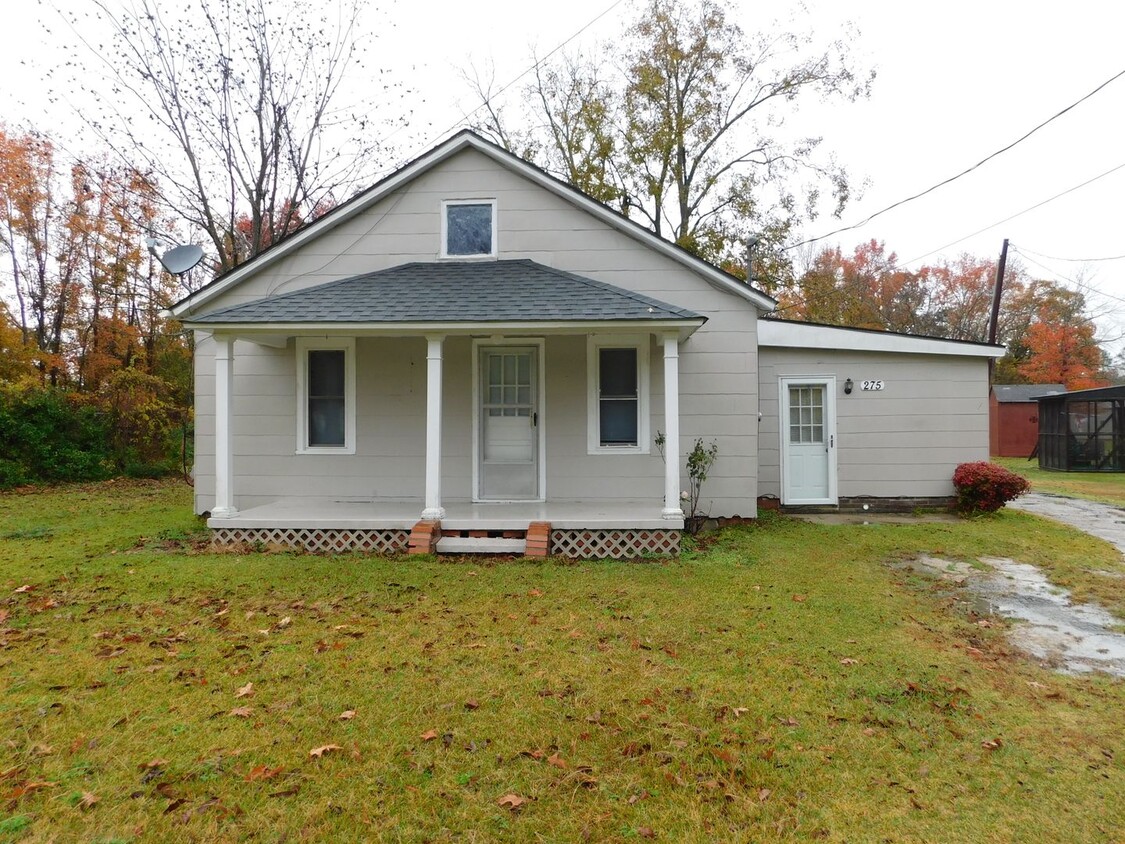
[{"x": 468, "y": 228}]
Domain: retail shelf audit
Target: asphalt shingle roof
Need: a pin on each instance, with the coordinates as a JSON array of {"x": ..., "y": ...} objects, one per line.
[
  {"x": 1024, "y": 392},
  {"x": 454, "y": 291}
]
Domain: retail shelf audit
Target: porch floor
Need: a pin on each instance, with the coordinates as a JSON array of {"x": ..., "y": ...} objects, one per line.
[{"x": 459, "y": 515}]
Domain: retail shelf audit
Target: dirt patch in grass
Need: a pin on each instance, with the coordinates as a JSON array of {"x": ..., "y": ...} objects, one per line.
[{"x": 779, "y": 683}]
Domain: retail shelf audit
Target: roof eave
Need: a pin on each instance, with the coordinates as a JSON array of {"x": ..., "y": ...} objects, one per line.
[
  {"x": 784, "y": 334},
  {"x": 685, "y": 327}
]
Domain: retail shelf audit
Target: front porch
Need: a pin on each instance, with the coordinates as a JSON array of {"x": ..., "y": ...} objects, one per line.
[{"x": 577, "y": 529}]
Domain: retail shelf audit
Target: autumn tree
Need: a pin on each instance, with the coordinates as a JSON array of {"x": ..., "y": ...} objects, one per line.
[
  {"x": 39, "y": 246},
  {"x": 1063, "y": 354},
  {"x": 243, "y": 95},
  {"x": 684, "y": 136},
  {"x": 866, "y": 289}
]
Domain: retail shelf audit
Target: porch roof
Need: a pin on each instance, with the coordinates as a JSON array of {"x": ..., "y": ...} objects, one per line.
[{"x": 520, "y": 291}]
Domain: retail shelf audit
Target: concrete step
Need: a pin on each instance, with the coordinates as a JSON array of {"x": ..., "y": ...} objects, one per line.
[{"x": 480, "y": 545}]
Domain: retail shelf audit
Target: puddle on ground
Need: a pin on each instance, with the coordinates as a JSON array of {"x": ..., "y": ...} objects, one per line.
[{"x": 1074, "y": 638}]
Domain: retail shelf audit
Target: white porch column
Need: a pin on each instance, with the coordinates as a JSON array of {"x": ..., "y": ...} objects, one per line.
[
  {"x": 433, "y": 510},
  {"x": 672, "y": 509},
  {"x": 224, "y": 438}
]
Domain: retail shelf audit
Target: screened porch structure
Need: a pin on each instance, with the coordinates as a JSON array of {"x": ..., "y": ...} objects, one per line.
[{"x": 1083, "y": 430}]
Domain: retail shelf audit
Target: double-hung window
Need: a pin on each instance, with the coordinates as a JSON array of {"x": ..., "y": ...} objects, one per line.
[
  {"x": 618, "y": 405},
  {"x": 468, "y": 228},
  {"x": 325, "y": 396}
]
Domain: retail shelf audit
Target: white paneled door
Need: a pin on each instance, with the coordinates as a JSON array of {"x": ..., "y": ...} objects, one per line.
[
  {"x": 808, "y": 440},
  {"x": 508, "y": 451}
]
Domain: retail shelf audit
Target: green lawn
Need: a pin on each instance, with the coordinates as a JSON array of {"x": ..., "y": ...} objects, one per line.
[
  {"x": 1106, "y": 487},
  {"x": 781, "y": 683}
]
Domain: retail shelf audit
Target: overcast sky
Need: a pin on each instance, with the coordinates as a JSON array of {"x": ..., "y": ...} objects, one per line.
[{"x": 957, "y": 81}]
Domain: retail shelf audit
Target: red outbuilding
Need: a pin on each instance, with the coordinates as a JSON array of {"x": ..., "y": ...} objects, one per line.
[{"x": 1013, "y": 418}]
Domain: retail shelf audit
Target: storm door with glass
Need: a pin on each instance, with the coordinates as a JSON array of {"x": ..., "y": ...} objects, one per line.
[
  {"x": 508, "y": 451},
  {"x": 808, "y": 442}
]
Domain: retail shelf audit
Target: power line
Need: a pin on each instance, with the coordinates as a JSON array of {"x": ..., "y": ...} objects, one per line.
[
  {"x": 1017, "y": 214},
  {"x": 963, "y": 172},
  {"x": 1074, "y": 260},
  {"x": 1079, "y": 284}
]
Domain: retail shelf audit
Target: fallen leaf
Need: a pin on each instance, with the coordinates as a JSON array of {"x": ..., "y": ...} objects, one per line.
[
  {"x": 241, "y": 712},
  {"x": 645, "y": 832},
  {"x": 155, "y": 763},
  {"x": 318, "y": 752},
  {"x": 245, "y": 691},
  {"x": 346, "y": 715},
  {"x": 88, "y": 801},
  {"x": 288, "y": 792},
  {"x": 263, "y": 772},
  {"x": 992, "y": 744},
  {"x": 764, "y": 795},
  {"x": 532, "y": 754},
  {"x": 800, "y": 599},
  {"x": 869, "y": 732},
  {"x": 534, "y": 593},
  {"x": 27, "y": 788},
  {"x": 27, "y": 587},
  {"x": 557, "y": 761},
  {"x": 471, "y": 705},
  {"x": 849, "y": 661},
  {"x": 511, "y": 801},
  {"x": 429, "y": 735}
]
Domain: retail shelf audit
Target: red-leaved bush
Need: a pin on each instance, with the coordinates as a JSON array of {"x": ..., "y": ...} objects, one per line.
[{"x": 984, "y": 487}]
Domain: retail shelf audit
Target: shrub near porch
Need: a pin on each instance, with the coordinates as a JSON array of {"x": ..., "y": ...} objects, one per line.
[{"x": 779, "y": 683}]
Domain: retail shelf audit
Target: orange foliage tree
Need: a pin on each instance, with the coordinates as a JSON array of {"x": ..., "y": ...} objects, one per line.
[{"x": 1063, "y": 354}]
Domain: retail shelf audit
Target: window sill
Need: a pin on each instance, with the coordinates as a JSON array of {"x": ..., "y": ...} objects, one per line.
[
  {"x": 327, "y": 450},
  {"x": 617, "y": 449}
]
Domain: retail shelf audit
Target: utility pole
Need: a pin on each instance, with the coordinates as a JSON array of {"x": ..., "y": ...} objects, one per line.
[{"x": 997, "y": 292}]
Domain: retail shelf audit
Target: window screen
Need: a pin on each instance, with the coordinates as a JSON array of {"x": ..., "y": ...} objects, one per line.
[
  {"x": 618, "y": 399},
  {"x": 326, "y": 397},
  {"x": 468, "y": 229}
]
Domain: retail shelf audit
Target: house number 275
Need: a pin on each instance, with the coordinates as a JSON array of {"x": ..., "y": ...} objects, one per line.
[{"x": 872, "y": 385}]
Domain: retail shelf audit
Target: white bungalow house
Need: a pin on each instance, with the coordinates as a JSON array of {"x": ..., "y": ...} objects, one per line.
[{"x": 473, "y": 355}]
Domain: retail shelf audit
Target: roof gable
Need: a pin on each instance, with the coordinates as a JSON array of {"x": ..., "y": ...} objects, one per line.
[
  {"x": 453, "y": 291},
  {"x": 464, "y": 140}
]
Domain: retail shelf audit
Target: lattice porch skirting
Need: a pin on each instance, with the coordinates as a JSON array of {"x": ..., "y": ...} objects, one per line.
[
  {"x": 392, "y": 541},
  {"x": 621, "y": 544}
]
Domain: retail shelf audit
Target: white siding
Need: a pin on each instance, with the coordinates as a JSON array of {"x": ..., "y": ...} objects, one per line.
[
  {"x": 903, "y": 441},
  {"x": 718, "y": 364}
]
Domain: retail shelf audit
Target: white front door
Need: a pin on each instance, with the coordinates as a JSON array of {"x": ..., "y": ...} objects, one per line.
[
  {"x": 808, "y": 440},
  {"x": 508, "y": 424}
]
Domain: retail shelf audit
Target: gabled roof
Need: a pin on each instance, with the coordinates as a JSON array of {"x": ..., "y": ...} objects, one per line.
[
  {"x": 1006, "y": 393},
  {"x": 467, "y": 139},
  {"x": 452, "y": 291},
  {"x": 812, "y": 335}
]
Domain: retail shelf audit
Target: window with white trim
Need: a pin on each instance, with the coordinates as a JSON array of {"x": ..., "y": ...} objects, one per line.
[
  {"x": 468, "y": 228},
  {"x": 325, "y": 396},
  {"x": 618, "y": 403}
]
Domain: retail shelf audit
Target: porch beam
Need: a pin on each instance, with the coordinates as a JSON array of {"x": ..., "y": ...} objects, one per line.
[
  {"x": 433, "y": 510},
  {"x": 672, "y": 509},
  {"x": 224, "y": 437}
]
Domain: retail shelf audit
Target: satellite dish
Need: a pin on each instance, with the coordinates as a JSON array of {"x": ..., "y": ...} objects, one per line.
[{"x": 179, "y": 259}]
